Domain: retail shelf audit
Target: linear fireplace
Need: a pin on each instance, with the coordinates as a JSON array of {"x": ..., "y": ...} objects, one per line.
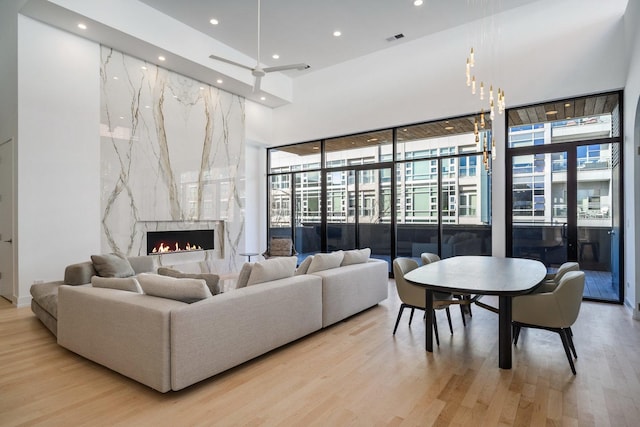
[{"x": 179, "y": 241}]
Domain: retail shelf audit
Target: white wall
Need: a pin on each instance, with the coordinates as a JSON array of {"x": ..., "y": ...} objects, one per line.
[
  {"x": 58, "y": 152},
  {"x": 632, "y": 159},
  {"x": 258, "y": 132},
  {"x": 425, "y": 79}
]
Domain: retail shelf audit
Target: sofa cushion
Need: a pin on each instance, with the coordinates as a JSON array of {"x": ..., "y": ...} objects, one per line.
[
  {"x": 304, "y": 266},
  {"x": 129, "y": 284},
  {"x": 272, "y": 269},
  {"x": 243, "y": 276},
  {"x": 356, "y": 256},
  {"x": 185, "y": 290},
  {"x": 112, "y": 265},
  {"x": 46, "y": 295},
  {"x": 79, "y": 274},
  {"x": 144, "y": 263},
  {"x": 323, "y": 262},
  {"x": 211, "y": 279}
]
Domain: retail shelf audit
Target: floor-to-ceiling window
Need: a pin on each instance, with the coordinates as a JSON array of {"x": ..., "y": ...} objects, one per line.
[
  {"x": 564, "y": 168},
  {"x": 400, "y": 192}
]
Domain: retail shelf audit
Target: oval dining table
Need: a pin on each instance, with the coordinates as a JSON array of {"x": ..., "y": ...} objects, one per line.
[{"x": 480, "y": 275}]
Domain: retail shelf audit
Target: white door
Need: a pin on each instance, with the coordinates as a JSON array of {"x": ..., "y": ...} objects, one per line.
[{"x": 6, "y": 219}]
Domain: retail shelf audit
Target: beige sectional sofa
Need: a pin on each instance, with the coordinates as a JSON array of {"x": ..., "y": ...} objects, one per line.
[{"x": 168, "y": 344}]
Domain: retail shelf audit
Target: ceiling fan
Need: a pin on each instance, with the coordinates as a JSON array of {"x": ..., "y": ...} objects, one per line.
[{"x": 258, "y": 72}]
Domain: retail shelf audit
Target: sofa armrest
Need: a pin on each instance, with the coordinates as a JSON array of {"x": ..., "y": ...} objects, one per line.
[{"x": 124, "y": 331}]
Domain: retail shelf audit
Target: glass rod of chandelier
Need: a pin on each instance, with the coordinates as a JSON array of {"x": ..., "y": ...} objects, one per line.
[
  {"x": 471, "y": 82},
  {"x": 479, "y": 126}
]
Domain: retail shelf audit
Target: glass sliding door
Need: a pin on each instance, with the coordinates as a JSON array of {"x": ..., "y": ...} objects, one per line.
[
  {"x": 341, "y": 210},
  {"x": 359, "y": 211},
  {"x": 598, "y": 208},
  {"x": 565, "y": 196},
  {"x": 465, "y": 207},
  {"x": 374, "y": 212},
  {"x": 539, "y": 207},
  {"x": 307, "y": 213},
  {"x": 280, "y": 192}
]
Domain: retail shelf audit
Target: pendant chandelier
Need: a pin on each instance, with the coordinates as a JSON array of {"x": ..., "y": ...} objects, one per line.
[{"x": 479, "y": 121}]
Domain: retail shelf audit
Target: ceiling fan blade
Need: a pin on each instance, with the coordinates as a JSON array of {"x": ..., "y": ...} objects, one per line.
[
  {"x": 256, "y": 85},
  {"x": 300, "y": 66},
  {"x": 228, "y": 61}
]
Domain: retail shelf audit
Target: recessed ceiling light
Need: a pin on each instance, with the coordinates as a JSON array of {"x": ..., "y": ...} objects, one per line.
[
  {"x": 161, "y": 58},
  {"x": 448, "y": 128},
  {"x": 121, "y": 117},
  {"x": 315, "y": 147},
  {"x": 115, "y": 77},
  {"x": 219, "y": 81},
  {"x": 147, "y": 106},
  {"x": 213, "y": 21},
  {"x": 275, "y": 56},
  {"x": 82, "y": 26},
  {"x": 262, "y": 98},
  {"x": 417, "y": 3},
  {"x": 551, "y": 112},
  {"x": 143, "y": 67},
  {"x": 201, "y": 88},
  {"x": 337, "y": 33},
  {"x": 567, "y": 105}
]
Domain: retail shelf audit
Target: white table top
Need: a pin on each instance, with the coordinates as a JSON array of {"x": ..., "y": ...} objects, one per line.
[{"x": 483, "y": 275}]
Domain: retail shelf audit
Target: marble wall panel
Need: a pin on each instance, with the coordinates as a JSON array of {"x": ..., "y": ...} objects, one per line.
[{"x": 172, "y": 152}]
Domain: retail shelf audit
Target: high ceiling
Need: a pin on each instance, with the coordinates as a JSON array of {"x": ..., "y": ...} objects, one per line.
[{"x": 302, "y": 30}]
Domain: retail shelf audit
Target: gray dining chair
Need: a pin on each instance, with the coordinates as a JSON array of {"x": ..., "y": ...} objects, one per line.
[
  {"x": 554, "y": 311},
  {"x": 413, "y": 296},
  {"x": 552, "y": 280},
  {"x": 428, "y": 258}
]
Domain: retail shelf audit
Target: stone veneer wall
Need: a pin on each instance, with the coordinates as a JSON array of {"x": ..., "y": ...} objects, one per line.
[{"x": 172, "y": 154}]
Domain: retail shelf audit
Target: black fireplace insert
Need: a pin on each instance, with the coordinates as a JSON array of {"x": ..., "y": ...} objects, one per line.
[{"x": 179, "y": 241}]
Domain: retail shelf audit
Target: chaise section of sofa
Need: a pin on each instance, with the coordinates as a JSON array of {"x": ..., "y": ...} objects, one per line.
[{"x": 124, "y": 331}]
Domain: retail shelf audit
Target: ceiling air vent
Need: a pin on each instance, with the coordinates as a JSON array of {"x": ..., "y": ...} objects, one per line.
[{"x": 395, "y": 37}]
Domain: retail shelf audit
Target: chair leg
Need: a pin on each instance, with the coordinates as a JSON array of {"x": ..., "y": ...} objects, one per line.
[
  {"x": 435, "y": 328},
  {"x": 402, "y": 306},
  {"x": 449, "y": 320},
  {"x": 570, "y": 339},
  {"x": 565, "y": 344},
  {"x": 464, "y": 322},
  {"x": 411, "y": 316},
  {"x": 516, "y": 333}
]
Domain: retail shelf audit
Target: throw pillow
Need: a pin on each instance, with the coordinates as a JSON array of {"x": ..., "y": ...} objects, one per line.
[
  {"x": 356, "y": 256},
  {"x": 129, "y": 284},
  {"x": 210, "y": 278},
  {"x": 112, "y": 265},
  {"x": 272, "y": 269},
  {"x": 322, "y": 262},
  {"x": 243, "y": 276},
  {"x": 304, "y": 267},
  {"x": 280, "y": 247},
  {"x": 185, "y": 290}
]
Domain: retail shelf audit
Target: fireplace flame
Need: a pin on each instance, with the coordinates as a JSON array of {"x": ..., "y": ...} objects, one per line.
[{"x": 162, "y": 248}]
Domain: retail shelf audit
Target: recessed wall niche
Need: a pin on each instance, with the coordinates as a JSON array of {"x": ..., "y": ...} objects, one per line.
[{"x": 172, "y": 151}]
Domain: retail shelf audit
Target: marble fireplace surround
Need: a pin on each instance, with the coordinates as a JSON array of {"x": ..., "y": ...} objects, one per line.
[{"x": 172, "y": 158}]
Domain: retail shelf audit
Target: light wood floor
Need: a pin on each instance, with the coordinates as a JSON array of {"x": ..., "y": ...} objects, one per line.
[{"x": 354, "y": 373}]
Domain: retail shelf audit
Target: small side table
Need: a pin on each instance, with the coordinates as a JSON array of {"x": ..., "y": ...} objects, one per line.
[{"x": 249, "y": 255}]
